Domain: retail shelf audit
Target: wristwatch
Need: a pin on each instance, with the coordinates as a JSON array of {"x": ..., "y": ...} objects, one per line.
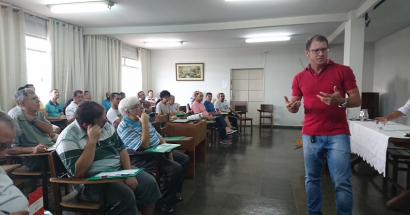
[
  {"x": 344, "y": 104},
  {"x": 34, "y": 121}
]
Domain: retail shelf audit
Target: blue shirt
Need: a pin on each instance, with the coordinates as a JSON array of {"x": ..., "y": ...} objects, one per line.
[
  {"x": 53, "y": 110},
  {"x": 209, "y": 107},
  {"x": 130, "y": 133},
  {"x": 106, "y": 104}
]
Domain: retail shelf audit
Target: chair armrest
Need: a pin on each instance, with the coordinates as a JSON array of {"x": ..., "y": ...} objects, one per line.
[
  {"x": 29, "y": 155},
  {"x": 83, "y": 181}
]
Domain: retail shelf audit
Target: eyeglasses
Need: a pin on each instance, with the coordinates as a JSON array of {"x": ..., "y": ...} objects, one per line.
[
  {"x": 136, "y": 107},
  {"x": 34, "y": 99},
  {"x": 3, "y": 146},
  {"x": 317, "y": 51}
]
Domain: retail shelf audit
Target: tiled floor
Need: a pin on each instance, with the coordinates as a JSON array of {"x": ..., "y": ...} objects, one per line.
[{"x": 261, "y": 173}]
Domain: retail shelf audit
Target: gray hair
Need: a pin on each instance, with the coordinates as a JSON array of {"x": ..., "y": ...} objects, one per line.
[
  {"x": 9, "y": 122},
  {"x": 172, "y": 97},
  {"x": 22, "y": 95},
  {"x": 126, "y": 104}
]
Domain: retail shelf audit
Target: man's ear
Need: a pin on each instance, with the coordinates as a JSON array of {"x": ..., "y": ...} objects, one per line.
[{"x": 307, "y": 53}]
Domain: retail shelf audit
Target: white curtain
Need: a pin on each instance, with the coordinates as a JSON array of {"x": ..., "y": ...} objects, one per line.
[
  {"x": 67, "y": 58},
  {"x": 13, "y": 70},
  {"x": 102, "y": 65},
  {"x": 144, "y": 56}
]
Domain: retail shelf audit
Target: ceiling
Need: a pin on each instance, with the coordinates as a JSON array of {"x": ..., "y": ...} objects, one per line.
[{"x": 204, "y": 24}]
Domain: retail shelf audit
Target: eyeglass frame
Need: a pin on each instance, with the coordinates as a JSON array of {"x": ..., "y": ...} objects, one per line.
[{"x": 324, "y": 50}]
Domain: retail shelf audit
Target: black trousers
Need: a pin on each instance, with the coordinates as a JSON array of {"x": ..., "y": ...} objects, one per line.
[{"x": 173, "y": 172}]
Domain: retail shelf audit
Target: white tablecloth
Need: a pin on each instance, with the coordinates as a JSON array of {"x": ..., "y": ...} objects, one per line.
[{"x": 370, "y": 143}]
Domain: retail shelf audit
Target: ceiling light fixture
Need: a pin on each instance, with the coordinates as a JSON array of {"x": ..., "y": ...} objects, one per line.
[
  {"x": 163, "y": 44},
  {"x": 81, "y": 7},
  {"x": 266, "y": 39}
]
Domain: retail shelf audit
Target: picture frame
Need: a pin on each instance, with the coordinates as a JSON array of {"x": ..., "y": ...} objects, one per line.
[{"x": 189, "y": 71}]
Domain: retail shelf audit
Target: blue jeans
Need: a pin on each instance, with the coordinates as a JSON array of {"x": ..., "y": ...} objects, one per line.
[{"x": 337, "y": 149}]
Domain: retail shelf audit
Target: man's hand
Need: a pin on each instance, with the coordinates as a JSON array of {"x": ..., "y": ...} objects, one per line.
[
  {"x": 144, "y": 117},
  {"x": 51, "y": 135},
  {"x": 239, "y": 116},
  {"x": 28, "y": 116},
  {"x": 292, "y": 107},
  {"x": 381, "y": 119},
  {"x": 40, "y": 148},
  {"x": 331, "y": 99},
  {"x": 131, "y": 183},
  {"x": 173, "y": 117},
  {"x": 209, "y": 117},
  {"x": 63, "y": 117},
  {"x": 94, "y": 133}
]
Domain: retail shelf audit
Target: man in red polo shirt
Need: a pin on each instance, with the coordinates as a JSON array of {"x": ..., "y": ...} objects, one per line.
[{"x": 324, "y": 85}]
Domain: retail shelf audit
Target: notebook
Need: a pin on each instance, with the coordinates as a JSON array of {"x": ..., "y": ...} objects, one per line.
[{"x": 126, "y": 173}]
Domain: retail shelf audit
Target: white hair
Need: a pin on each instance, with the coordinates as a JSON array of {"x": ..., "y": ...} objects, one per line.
[{"x": 127, "y": 104}]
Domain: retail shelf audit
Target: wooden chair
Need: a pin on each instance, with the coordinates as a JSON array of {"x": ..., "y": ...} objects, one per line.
[
  {"x": 396, "y": 156},
  {"x": 70, "y": 202},
  {"x": 266, "y": 112},
  {"x": 162, "y": 120},
  {"x": 183, "y": 108},
  {"x": 242, "y": 109},
  {"x": 24, "y": 173}
]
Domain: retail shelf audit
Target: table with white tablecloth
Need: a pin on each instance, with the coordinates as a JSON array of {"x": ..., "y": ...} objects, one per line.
[{"x": 369, "y": 140}]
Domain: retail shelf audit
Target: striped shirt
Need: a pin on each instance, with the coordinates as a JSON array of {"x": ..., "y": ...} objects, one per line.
[
  {"x": 72, "y": 141},
  {"x": 130, "y": 133}
]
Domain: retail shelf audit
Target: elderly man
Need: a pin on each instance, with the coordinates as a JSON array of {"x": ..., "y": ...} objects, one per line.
[
  {"x": 323, "y": 84},
  {"x": 11, "y": 198},
  {"x": 90, "y": 145},
  {"x": 87, "y": 95},
  {"x": 221, "y": 105},
  {"x": 137, "y": 133},
  {"x": 70, "y": 109},
  {"x": 174, "y": 106},
  {"x": 34, "y": 138},
  {"x": 113, "y": 115},
  {"x": 54, "y": 109}
]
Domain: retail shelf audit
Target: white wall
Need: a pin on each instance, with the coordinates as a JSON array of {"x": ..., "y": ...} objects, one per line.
[
  {"x": 392, "y": 72},
  {"x": 282, "y": 63}
]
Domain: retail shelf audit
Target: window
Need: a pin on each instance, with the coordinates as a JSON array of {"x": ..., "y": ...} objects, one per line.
[
  {"x": 38, "y": 66},
  {"x": 131, "y": 76}
]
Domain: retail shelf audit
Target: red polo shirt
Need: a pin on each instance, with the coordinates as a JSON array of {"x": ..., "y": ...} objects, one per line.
[{"x": 320, "y": 118}]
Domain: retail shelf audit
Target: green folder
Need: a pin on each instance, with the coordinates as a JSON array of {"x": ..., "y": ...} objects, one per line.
[
  {"x": 162, "y": 148},
  {"x": 126, "y": 173},
  {"x": 180, "y": 114},
  {"x": 174, "y": 138},
  {"x": 210, "y": 121},
  {"x": 216, "y": 116}
]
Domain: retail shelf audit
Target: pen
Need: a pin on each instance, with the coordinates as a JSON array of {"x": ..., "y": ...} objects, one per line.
[{"x": 5, "y": 212}]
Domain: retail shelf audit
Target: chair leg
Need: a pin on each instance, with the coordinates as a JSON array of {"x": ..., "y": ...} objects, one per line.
[
  {"x": 408, "y": 175},
  {"x": 271, "y": 123},
  {"x": 251, "y": 125}
]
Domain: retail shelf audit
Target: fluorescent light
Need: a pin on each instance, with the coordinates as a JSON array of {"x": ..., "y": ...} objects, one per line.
[
  {"x": 81, "y": 7},
  {"x": 163, "y": 44},
  {"x": 267, "y": 39}
]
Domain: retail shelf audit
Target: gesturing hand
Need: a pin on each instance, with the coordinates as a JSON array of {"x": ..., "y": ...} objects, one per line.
[
  {"x": 330, "y": 99},
  {"x": 131, "y": 183},
  {"x": 292, "y": 106},
  {"x": 144, "y": 117}
]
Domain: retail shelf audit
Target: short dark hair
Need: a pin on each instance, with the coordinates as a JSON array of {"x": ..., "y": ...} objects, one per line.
[
  {"x": 164, "y": 93},
  {"x": 77, "y": 92},
  {"x": 208, "y": 94},
  {"x": 53, "y": 90},
  {"x": 28, "y": 85},
  {"x": 113, "y": 95},
  {"x": 319, "y": 38},
  {"x": 139, "y": 93},
  {"x": 122, "y": 94},
  {"x": 21, "y": 88},
  {"x": 150, "y": 91},
  {"x": 86, "y": 91},
  {"x": 87, "y": 111}
]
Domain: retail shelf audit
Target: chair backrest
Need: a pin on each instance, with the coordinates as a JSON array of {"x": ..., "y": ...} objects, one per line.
[
  {"x": 241, "y": 108},
  {"x": 162, "y": 118},
  {"x": 267, "y": 107},
  {"x": 157, "y": 126},
  {"x": 183, "y": 108},
  {"x": 240, "y": 103},
  {"x": 57, "y": 168}
]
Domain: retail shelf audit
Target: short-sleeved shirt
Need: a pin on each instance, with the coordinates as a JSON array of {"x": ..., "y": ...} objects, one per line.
[
  {"x": 199, "y": 108},
  {"x": 72, "y": 141},
  {"x": 163, "y": 108},
  {"x": 151, "y": 100},
  {"x": 145, "y": 103},
  {"x": 222, "y": 106},
  {"x": 54, "y": 110},
  {"x": 106, "y": 104},
  {"x": 70, "y": 110},
  {"x": 405, "y": 109},
  {"x": 174, "y": 107},
  {"x": 11, "y": 198},
  {"x": 130, "y": 133},
  {"x": 209, "y": 107},
  {"x": 320, "y": 118},
  {"x": 69, "y": 102},
  {"x": 112, "y": 115},
  {"x": 31, "y": 136},
  {"x": 13, "y": 112}
]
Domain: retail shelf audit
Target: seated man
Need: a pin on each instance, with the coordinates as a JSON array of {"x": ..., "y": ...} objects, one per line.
[
  {"x": 223, "y": 106},
  {"x": 34, "y": 138},
  {"x": 70, "y": 109},
  {"x": 53, "y": 108},
  {"x": 137, "y": 133},
  {"x": 209, "y": 107},
  {"x": 77, "y": 147},
  {"x": 163, "y": 107},
  {"x": 113, "y": 115},
  {"x": 87, "y": 96},
  {"x": 11, "y": 198},
  {"x": 198, "y": 107},
  {"x": 107, "y": 102},
  {"x": 174, "y": 106},
  {"x": 151, "y": 98},
  {"x": 146, "y": 105}
]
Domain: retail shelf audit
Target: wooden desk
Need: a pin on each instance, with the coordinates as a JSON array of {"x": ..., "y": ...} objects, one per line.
[
  {"x": 10, "y": 167},
  {"x": 195, "y": 147}
]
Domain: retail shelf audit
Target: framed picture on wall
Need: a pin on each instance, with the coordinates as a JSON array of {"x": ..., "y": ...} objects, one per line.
[{"x": 189, "y": 71}]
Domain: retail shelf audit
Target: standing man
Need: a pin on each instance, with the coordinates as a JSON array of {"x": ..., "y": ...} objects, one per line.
[
  {"x": 70, "y": 110},
  {"x": 87, "y": 96},
  {"x": 107, "y": 102},
  {"x": 324, "y": 85},
  {"x": 54, "y": 109},
  {"x": 113, "y": 115},
  {"x": 403, "y": 111}
]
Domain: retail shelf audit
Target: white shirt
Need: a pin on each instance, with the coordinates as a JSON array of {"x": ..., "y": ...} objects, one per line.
[
  {"x": 222, "y": 106},
  {"x": 405, "y": 109},
  {"x": 174, "y": 107},
  {"x": 11, "y": 198},
  {"x": 113, "y": 115},
  {"x": 14, "y": 111},
  {"x": 151, "y": 99},
  {"x": 70, "y": 110}
]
